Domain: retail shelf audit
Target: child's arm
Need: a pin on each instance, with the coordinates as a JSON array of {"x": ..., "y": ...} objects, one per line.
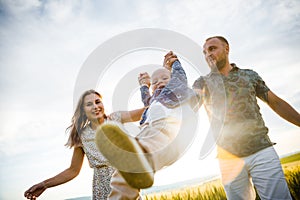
[
  {"x": 144, "y": 81},
  {"x": 177, "y": 90},
  {"x": 178, "y": 76}
]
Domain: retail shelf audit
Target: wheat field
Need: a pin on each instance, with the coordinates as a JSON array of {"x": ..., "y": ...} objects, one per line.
[{"x": 213, "y": 190}]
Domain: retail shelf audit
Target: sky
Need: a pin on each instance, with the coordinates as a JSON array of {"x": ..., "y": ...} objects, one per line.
[{"x": 44, "y": 44}]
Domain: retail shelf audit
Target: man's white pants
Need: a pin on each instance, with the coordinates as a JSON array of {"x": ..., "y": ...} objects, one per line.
[{"x": 263, "y": 169}]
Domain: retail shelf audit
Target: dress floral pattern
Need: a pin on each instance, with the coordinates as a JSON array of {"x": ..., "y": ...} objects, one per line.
[{"x": 102, "y": 169}]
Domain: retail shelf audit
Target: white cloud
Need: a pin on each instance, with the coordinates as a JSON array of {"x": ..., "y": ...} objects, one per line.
[
  {"x": 61, "y": 11},
  {"x": 24, "y": 131},
  {"x": 286, "y": 14},
  {"x": 19, "y": 7}
]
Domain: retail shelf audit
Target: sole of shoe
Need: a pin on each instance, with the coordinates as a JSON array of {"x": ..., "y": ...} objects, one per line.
[{"x": 125, "y": 154}]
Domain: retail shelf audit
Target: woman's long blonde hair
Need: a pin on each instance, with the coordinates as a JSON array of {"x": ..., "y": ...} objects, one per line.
[{"x": 79, "y": 121}]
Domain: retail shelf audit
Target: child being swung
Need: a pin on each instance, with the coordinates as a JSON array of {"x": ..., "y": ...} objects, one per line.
[{"x": 159, "y": 142}]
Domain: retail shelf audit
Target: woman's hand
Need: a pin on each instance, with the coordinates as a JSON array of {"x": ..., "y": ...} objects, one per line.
[
  {"x": 115, "y": 116},
  {"x": 35, "y": 191},
  {"x": 61, "y": 178}
]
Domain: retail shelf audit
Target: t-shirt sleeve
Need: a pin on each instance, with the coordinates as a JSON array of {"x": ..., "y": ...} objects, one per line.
[
  {"x": 261, "y": 88},
  {"x": 202, "y": 92},
  {"x": 199, "y": 83}
]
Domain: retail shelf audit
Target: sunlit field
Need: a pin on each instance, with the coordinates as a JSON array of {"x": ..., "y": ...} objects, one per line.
[{"x": 213, "y": 190}]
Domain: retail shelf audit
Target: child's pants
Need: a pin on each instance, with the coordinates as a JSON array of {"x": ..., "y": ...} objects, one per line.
[{"x": 164, "y": 141}]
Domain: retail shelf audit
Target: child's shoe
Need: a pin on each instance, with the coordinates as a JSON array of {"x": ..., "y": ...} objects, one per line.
[{"x": 125, "y": 154}]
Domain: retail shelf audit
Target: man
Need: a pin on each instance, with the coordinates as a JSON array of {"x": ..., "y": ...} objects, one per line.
[{"x": 246, "y": 154}]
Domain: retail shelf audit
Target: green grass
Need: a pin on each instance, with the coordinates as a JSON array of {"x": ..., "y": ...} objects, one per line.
[
  {"x": 214, "y": 190},
  {"x": 291, "y": 158},
  {"x": 209, "y": 191},
  {"x": 293, "y": 179}
]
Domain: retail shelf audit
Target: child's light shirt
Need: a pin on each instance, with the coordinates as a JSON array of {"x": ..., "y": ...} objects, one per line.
[{"x": 157, "y": 111}]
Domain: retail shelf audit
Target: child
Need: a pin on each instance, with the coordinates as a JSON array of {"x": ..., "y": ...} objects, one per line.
[{"x": 159, "y": 143}]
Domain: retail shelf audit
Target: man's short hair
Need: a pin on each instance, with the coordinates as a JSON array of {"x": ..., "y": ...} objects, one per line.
[{"x": 220, "y": 38}]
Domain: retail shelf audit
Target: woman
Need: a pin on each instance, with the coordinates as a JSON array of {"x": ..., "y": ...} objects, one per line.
[{"x": 89, "y": 114}]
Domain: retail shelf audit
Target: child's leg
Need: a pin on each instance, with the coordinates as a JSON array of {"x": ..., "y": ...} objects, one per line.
[
  {"x": 121, "y": 190},
  {"x": 167, "y": 139},
  {"x": 125, "y": 154},
  {"x": 158, "y": 141}
]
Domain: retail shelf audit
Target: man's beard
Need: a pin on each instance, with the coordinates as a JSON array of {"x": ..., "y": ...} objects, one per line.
[
  {"x": 218, "y": 65},
  {"x": 221, "y": 64}
]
